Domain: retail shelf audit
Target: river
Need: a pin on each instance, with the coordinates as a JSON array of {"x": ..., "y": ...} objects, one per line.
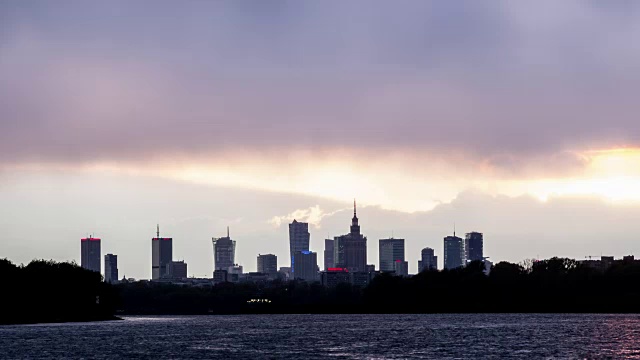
[{"x": 448, "y": 336}]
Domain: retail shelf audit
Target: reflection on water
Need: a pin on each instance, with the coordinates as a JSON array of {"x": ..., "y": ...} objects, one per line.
[{"x": 332, "y": 336}]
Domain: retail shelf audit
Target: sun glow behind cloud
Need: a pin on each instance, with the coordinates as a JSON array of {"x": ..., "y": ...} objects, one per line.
[{"x": 406, "y": 182}]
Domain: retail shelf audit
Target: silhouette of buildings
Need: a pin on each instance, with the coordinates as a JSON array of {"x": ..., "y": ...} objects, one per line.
[
  {"x": 219, "y": 276},
  {"x": 391, "y": 250},
  {"x": 473, "y": 244},
  {"x": 268, "y": 264},
  {"x": 334, "y": 276},
  {"x": 224, "y": 250},
  {"x": 453, "y": 252},
  {"x": 298, "y": 239},
  {"x": 90, "y": 254},
  {"x": 350, "y": 251},
  {"x": 285, "y": 273},
  {"x": 401, "y": 268},
  {"x": 370, "y": 268},
  {"x": 111, "y": 268},
  {"x": 161, "y": 255},
  {"x": 328, "y": 254},
  {"x": 428, "y": 260},
  {"x": 305, "y": 266},
  {"x": 177, "y": 270}
]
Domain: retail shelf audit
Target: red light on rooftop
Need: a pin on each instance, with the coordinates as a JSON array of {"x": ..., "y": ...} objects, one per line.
[
  {"x": 90, "y": 239},
  {"x": 338, "y": 269}
]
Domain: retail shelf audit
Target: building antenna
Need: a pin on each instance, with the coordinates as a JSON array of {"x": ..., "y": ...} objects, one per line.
[
  {"x": 158, "y": 231},
  {"x": 354, "y": 207},
  {"x": 454, "y": 228},
  {"x": 227, "y": 231}
]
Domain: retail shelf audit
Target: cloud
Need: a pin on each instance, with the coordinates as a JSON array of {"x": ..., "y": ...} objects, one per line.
[
  {"x": 487, "y": 81},
  {"x": 313, "y": 215}
]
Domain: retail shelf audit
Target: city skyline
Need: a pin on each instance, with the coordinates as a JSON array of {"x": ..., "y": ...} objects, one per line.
[{"x": 498, "y": 117}]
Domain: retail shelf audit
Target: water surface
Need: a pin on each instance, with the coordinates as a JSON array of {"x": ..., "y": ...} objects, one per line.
[{"x": 331, "y": 337}]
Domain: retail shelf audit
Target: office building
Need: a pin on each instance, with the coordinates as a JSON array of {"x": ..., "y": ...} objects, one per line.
[
  {"x": 350, "y": 251},
  {"x": 219, "y": 276},
  {"x": 473, "y": 244},
  {"x": 370, "y": 268},
  {"x": 298, "y": 239},
  {"x": 428, "y": 260},
  {"x": 177, "y": 270},
  {"x": 391, "y": 250},
  {"x": 334, "y": 276},
  {"x": 90, "y": 254},
  {"x": 111, "y": 268},
  {"x": 268, "y": 264},
  {"x": 453, "y": 252},
  {"x": 305, "y": 266},
  {"x": 401, "y": 268},
  {"x": 161, "y": 255},
  {"x": 224, "y": 251},
  {"x": 328, "y": 254},
  {"x": 285, "y": 273}
]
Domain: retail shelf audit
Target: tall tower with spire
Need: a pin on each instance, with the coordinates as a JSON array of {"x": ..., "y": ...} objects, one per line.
[
  {"x": 350, "y": 250},
  {"x": 355, "y": 228}
]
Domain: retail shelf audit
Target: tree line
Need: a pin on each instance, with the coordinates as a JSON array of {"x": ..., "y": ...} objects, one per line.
[{"x": 48, "y": 291}]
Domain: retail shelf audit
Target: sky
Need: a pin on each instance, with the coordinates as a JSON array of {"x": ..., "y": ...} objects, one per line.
[{"x": 518, "y": 120}]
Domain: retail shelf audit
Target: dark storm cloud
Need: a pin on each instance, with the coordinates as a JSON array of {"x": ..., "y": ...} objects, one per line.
[{"x": 500, "y": 80}]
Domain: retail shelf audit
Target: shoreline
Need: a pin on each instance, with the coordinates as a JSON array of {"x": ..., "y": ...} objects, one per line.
[{"x": 112, "y": 318}]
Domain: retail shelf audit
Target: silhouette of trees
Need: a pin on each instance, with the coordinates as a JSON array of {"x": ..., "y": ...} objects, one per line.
[{"x": 49, "y": 291}]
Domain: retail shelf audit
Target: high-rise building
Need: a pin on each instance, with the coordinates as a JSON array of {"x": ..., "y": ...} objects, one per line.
[
  {"x": 429, "y": 260},
  {"x": 224, "y": 251},
  {"x": 111, "y": 268},
  {"x": 453, "y": 252},
  {"x": 391, "y": 250},
  {"x": 161, "y": 255},
  {"x": 177, "y": 270},
  {"x": 401, "y": 268},
  {"x": 268, "y": 264},
  {"x": 298, "y": 238},
  {"x": 350, "y": 251},
  {"x": 305, "y": 266},
  {"x": 473, "y": 244},
  {"x": 328, "y": 254},
  {"x": 90, "y": 254}
]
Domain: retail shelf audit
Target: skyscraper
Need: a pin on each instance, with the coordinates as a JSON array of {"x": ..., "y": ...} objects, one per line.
[
  {"x": 328, "y": 254},
  {"x": 224, "y": 251},
  {"x": 473, "y": 244},
  {"x": 268, "y": 264},
  {"x": 298, "y": 238},
  {"x": 111, "y": 268},
  {"x": 391, "y": 250},
  {"x": 453, "y": 252},
  {"x": 161, "y": 255},
  {"x": 350, "y": 251},
  {"x": 429, "y": 260},
  {"x": 90, "y": 254},
  {"x": 305, "y": 266}
]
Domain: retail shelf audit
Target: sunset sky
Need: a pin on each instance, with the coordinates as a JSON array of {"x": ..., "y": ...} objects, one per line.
[{"x": 518, "y": 120}]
